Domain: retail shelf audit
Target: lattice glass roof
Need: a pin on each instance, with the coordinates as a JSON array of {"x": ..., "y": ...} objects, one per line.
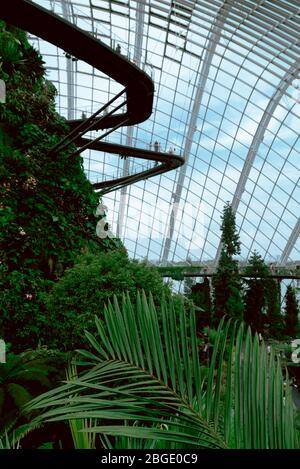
[{"x": 227, "y": 93}]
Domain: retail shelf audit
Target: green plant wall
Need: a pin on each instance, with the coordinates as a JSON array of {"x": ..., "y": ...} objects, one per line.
[{"x": 48, "y": 206}]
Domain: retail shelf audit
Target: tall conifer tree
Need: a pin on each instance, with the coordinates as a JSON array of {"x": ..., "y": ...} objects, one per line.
[
  {"x": 226, "y": 280},
  {"x": 291, "y": 312},
  {"x": 256, "y": 292}
]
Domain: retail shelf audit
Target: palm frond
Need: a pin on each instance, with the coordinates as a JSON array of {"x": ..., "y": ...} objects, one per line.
[
  {"x": 81, "y": 440},
  {"x": 146, "y": 369},
  {"x": 9, "y": 443}
]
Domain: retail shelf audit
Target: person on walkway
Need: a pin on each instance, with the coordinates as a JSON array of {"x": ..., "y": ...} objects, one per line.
[{"x": 156, "y": 146}]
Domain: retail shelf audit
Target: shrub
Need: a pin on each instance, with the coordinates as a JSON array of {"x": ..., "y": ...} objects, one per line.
[
  {"x": 21, "y": 307},
  {"x": 23, "y": 376},
  {"x": 85, "y": 288}
]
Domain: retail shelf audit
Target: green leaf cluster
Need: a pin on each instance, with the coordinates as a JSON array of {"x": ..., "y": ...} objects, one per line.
[
  {"x": 22, "y": 377},
  {"x": 144, "y": 382},
  {"x": 85, "y": 288},
  {"x": 48, "y": 206}
]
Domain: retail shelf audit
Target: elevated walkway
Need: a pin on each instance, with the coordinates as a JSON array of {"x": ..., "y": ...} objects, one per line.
[{"x": 137, "y": 94}]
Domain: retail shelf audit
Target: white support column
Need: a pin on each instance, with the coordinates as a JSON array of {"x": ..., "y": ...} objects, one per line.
[
  {"x": 67, "y": 14},
  {"x": 137, "y": 58}
]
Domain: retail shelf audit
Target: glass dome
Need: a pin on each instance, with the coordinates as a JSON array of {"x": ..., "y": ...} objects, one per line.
[{"x": 227, "y": 93}]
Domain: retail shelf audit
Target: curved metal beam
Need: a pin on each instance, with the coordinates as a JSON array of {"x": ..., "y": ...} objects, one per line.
[
  {"x": 291, "y": 243},
  {"x": 284, "y": 84},
  {"x": 138, "y": 86},
  {"x": 78, "y": 43},
  {"x": 137, "y": 57}
]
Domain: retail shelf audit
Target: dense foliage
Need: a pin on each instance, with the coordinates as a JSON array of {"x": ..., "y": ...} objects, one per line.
[
  {"x": 273, "y": 309},
  {"x": 85, "y": 288},
  {"x": 22, "y": 377},
  {"x": 256, "y": 292},
  {"x": 262, "y": 299},
  {"x": 160, "y": 392},
  {"x": 256, "y": 298},
  {"x": 55, "y": 275},
  {"x": 201, "y": 297},
  {"x": 47, "y": 204},
  {"x": 21, "y": 307}
]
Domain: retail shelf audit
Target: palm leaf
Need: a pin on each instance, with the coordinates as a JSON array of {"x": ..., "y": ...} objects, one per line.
[
  {"x": 18, "y": 393},
  {"x": 9, "y": 443},
  {"x": 147, "y": 371},
  {"x": 81, "y": 440}
]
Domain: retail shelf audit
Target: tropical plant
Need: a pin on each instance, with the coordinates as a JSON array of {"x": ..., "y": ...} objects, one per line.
[
  {"x": 82, "y": 439},
  {"x": 9, "y": 443},
  {"x": 22, "y": 320},
  {"x": 23, "y": 376},
  {"x": 48, "y": 206},
  {"x": 85, "y": 288},
  {"x": 144, "y": 382}
]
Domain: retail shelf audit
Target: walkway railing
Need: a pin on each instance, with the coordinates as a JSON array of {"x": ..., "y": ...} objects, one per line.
[{"x": 137, "y": 93}]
